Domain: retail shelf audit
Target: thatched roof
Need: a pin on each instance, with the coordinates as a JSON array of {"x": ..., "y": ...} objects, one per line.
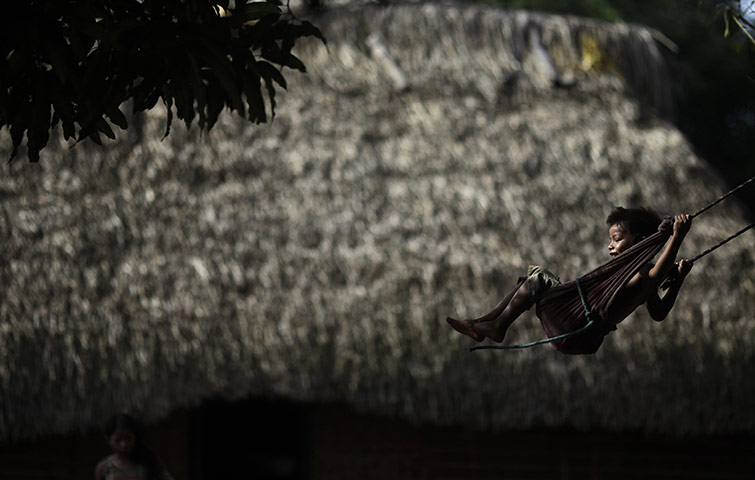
[{"x": 316, "y": 258}]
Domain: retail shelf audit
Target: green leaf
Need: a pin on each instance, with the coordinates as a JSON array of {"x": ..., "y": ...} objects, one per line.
[
  {"x": 271, "y": 96},
  {"x": 80, "y": 44},
  {"x": 63, "y": 108},
  {"x": 222, "y": 69},
  {"x": 168, "y": 102},
  {"x": 61, "y": 64},
  {"x": 292, "y": 61},
  {"x": 270, "y": 72},
  {"x": 215, "y": 103},
  {"x": 104, "y": 127},
  {"x": 252, "y": 89},
  {"x": 185, "y": 103},
  {"x": 38, "y": 132},
  {"x": 275, "y": 54},
  {"x": 116, "y": 116},
  {"x": 15, "y": 63},
  {"x": 253, "y": 11},
  {"x": 197, "y": 87},
  {"x": 69, "y": 130},
  {"x": 146, "y": 97},
  {"x": 95, "y": 137},
  {"x": 726, "y": 23}
]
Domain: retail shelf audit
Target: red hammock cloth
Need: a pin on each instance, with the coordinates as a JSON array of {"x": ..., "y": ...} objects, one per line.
[{"x": 561, "y": 311}]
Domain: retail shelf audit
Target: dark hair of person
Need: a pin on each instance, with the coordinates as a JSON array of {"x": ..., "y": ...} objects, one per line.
[
  {"x": 142, "y": 454},
  {"x": 638, "y": 221}
]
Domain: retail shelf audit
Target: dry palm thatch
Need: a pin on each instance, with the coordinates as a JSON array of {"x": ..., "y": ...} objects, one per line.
[{"x": 317, "y": 257}]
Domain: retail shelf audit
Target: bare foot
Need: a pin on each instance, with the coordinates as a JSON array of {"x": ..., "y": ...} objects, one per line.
[
  {"x": 465, "y": 327},
  {"x": 488, "y": 329}
]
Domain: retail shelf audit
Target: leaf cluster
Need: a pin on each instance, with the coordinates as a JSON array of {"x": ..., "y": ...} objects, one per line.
[
  {"x": 75, "y": 63},
  {"x": 734, "y": 16}
]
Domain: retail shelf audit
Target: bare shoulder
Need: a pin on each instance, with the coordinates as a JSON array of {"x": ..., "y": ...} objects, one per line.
[
  {"x": 641, "y": 278},
  {"x": 648, "y": 284},
  {"x": 101, "y": 469},
  {"x": 631, "y": 295}
]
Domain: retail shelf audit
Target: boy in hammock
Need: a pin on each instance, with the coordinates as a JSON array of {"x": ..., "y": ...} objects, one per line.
[{"x": 626, "y": 227}]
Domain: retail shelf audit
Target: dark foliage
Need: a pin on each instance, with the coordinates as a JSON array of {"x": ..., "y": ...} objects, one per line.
[{"x": 75, "y": 63}]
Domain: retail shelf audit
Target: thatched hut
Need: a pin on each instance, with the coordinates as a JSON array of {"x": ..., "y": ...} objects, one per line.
[{"x": 429, "y": 155}]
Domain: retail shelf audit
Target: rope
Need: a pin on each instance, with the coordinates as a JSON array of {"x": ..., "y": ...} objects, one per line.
[
  {"x": 588, "y": 313},
  {"x": 672, "y": 274},
  {"x": 531, "y": 344},
  {"x": 722, "y": 243},
  {"x": 721, "y": 198}
]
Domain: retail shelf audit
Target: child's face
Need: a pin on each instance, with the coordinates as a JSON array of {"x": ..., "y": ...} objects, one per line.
[
  {"x": 122, "y": 442},
  {"x": 620, "y": 239}
]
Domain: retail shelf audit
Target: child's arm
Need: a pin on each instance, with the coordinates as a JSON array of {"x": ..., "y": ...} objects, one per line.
[
  {"x": 659, "y": 308},
  {"x": 682, "y": 224}
]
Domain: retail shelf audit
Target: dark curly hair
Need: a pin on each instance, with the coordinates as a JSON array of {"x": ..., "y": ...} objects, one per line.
[
  {"x": 638, "y": 221},
  {"x": 142, "y": 454}
]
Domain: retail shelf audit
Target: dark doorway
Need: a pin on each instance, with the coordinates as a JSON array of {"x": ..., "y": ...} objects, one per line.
[{"x": 252, "y": 438}]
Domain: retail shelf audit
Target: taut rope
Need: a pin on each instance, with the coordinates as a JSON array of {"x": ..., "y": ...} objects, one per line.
[
  {"x": 721, "y": 198},
  {"x": 721, "y": 243}
]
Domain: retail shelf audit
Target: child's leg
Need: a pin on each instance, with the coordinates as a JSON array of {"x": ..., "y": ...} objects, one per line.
[
  {"x": 520, "y": 302},
  {"x": 498, "y": 309},
  {"x": 464, "y": 326}
]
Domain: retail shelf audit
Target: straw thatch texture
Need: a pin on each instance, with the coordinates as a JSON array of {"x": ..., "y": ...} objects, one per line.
[{"x": 317, "y": 257}]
